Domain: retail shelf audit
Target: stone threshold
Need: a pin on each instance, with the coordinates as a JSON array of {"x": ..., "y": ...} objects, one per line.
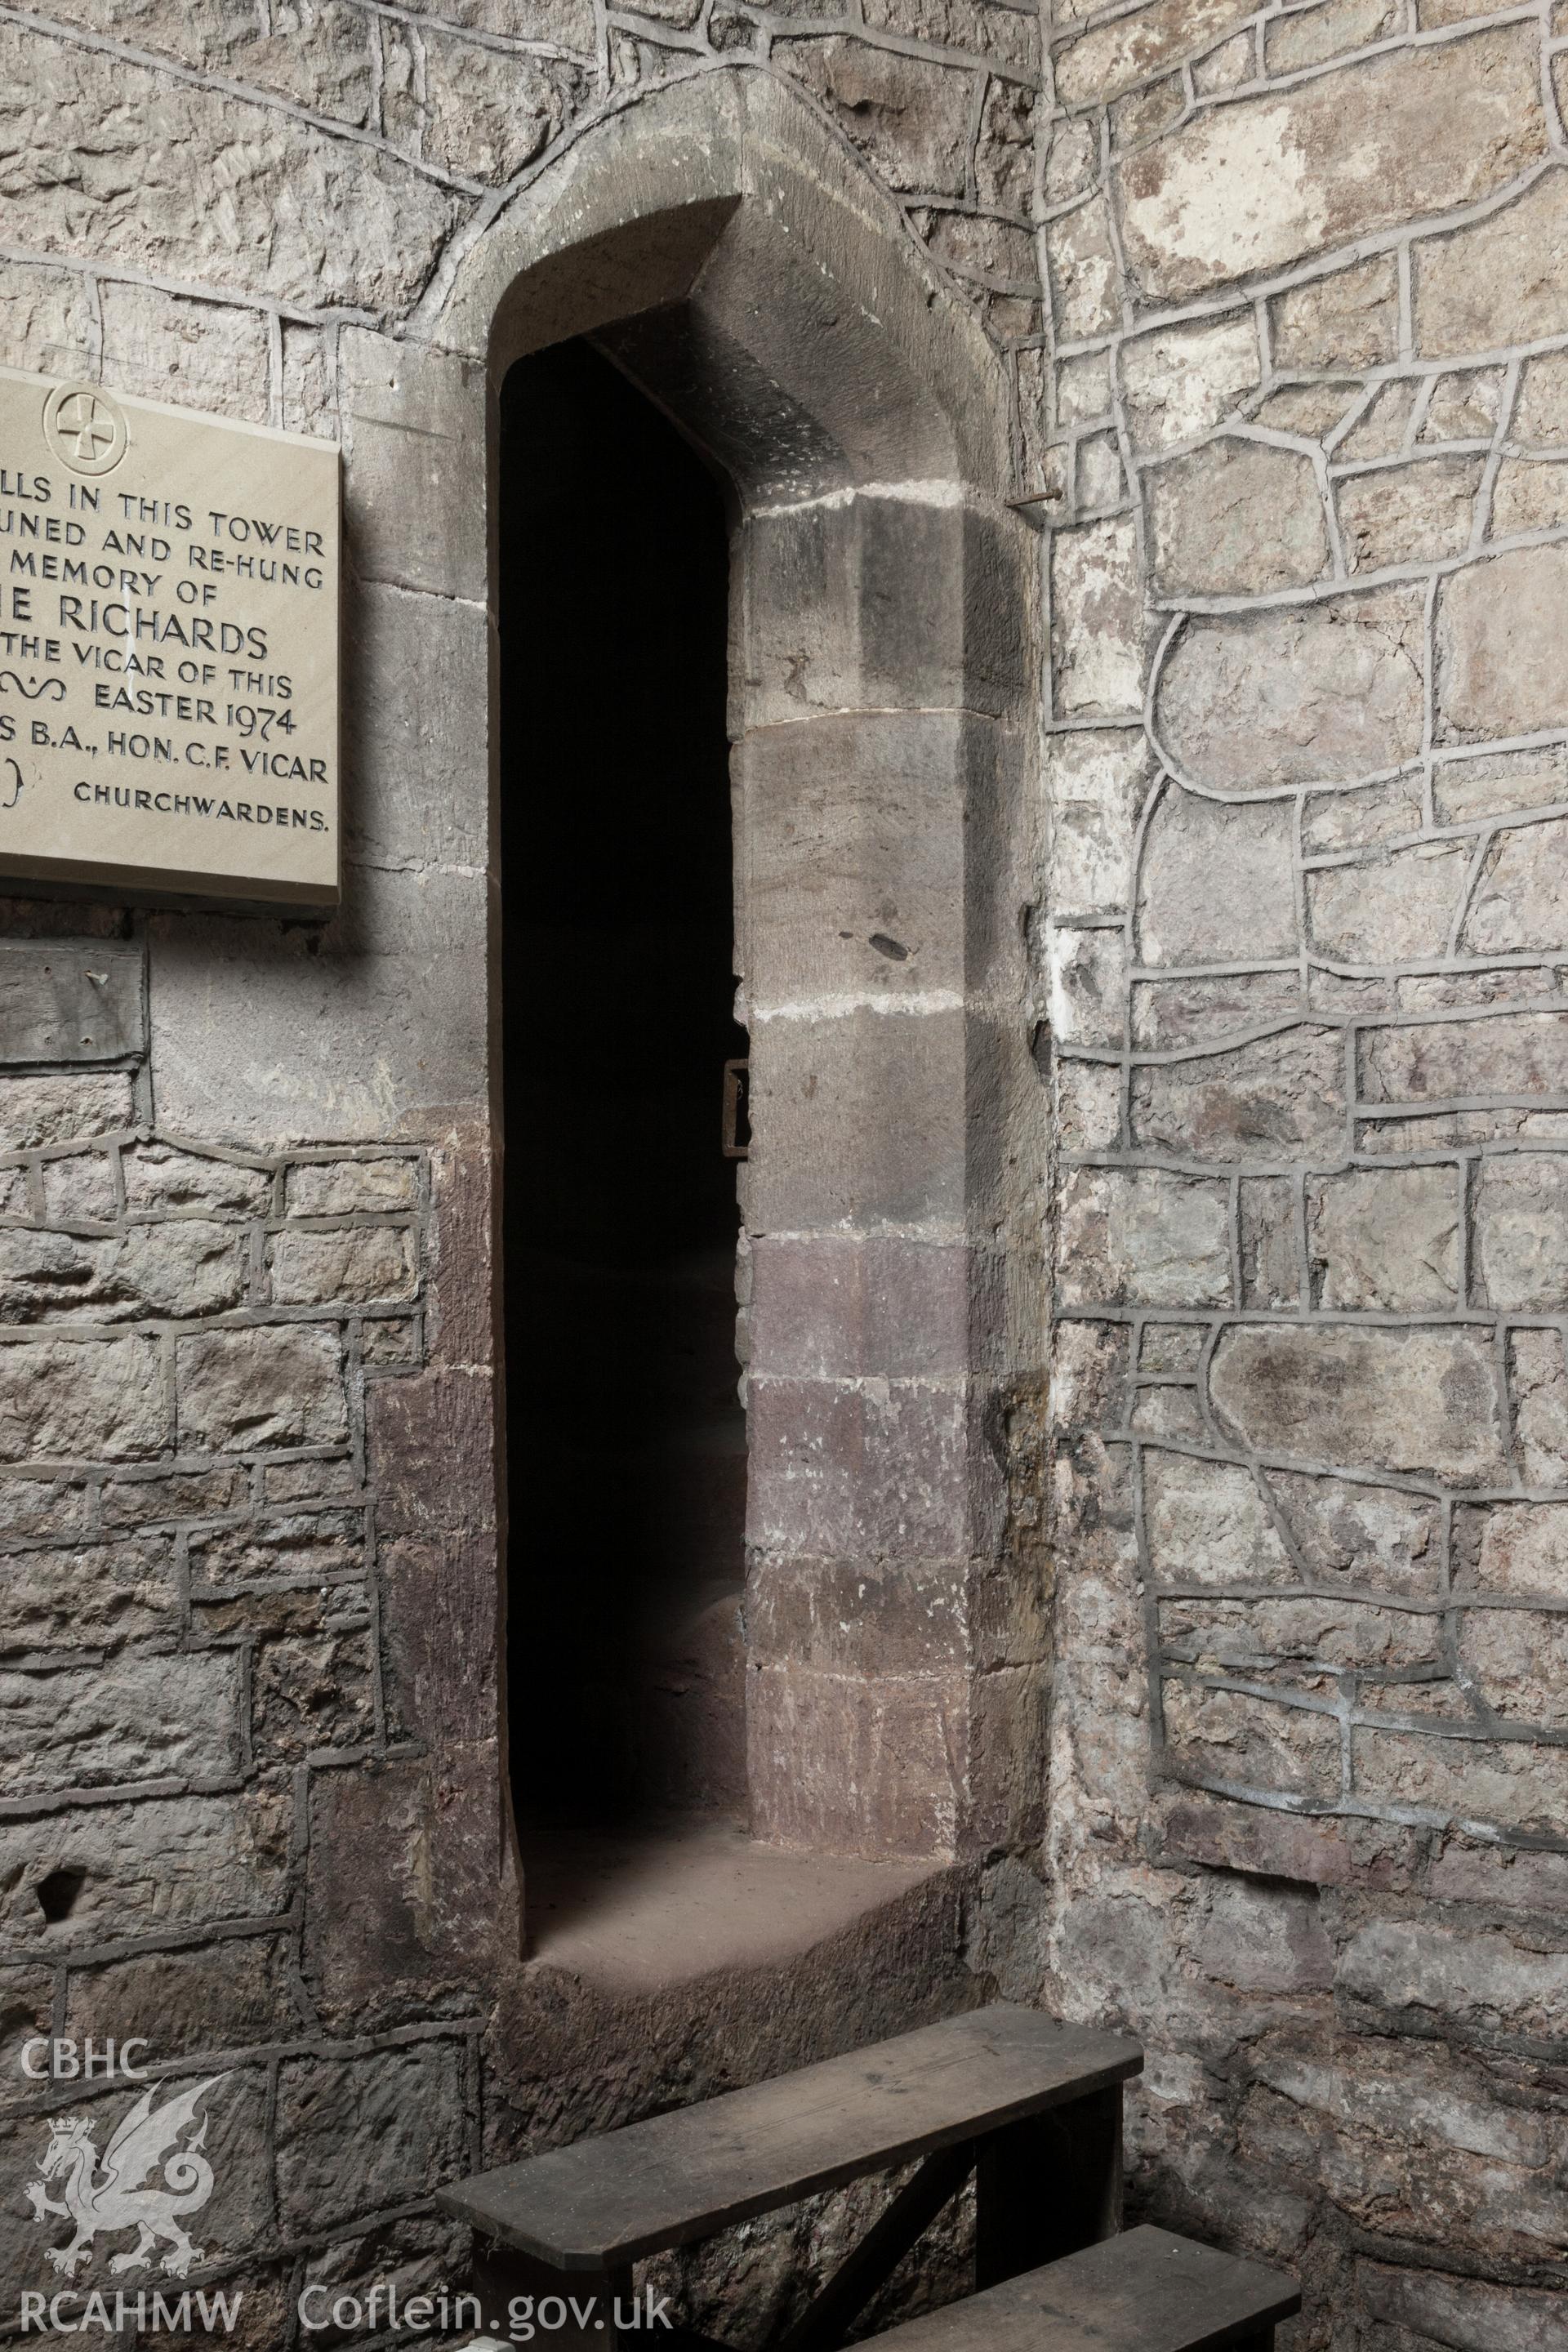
[{"x": 667, "y": 1901}]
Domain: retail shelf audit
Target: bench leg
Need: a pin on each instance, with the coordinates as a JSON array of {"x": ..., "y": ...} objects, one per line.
[
  {"x": 1048, "y": 2186},
  {"x": 503, "y": 2280}
]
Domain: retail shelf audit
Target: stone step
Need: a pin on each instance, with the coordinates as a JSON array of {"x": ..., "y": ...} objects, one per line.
[{"x": 1145, "y": 2291}]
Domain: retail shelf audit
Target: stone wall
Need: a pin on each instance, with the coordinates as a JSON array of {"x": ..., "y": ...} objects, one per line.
[
  {"x": 1300, "y": 439},
  {"x": 1292, "y": 421}
]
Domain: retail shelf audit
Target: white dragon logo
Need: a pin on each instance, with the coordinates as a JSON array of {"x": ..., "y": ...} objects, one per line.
[{"x": 115, "y": 2198}]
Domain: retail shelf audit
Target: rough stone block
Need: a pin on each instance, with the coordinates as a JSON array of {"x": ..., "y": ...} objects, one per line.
[
  {"x": 415, "y": 1842},
  {"x": 250, "y": 1018},
  {"x": 1387, "y": 1238},
  {"x": 142, "y": 1716},
  {"x": 318, "y": 54},
  {"x": 1539, "y": 1380},
  {"x": 271, "y": 1386},
  {"x": 1421, "y": 1400},
  {"x": 836, "y": 1472},
  {"x": 1522, "y": 1232},
  {"x": 483, "y": 112},
  {"x": 1516, "y": 1661},
  {"x": 102, "y": 1400},
  {"x": 1530, "y": 494},
  {"x": 41, "y": 1508},
  {"x": 357, "y": 2134},
  {"x": 1137, "y": 1235},
  {"x": 1369, "y": 147},
  {"x": 1408, "y": 514},
  {"x": 1098, "y": 65},
  {"x": 1087, "y": 970},
  {"x": 1347, "y": 320},
  {"x": 1241, "y": 1637},
  {"x": 1088, "y": 1099},
  {"x": 1180, "y": 382},
  {"x": 1218, "y": 882},
  {"x": 227, "y": 1995},
  {"x": 1513, "y": 1547},
  {"x": 159, "y": 1501},
  {"x": 1279, "y": 1099},
  {"x": 1498, "y": 280},
  {"x": 1310, "y": 36},
  {"x": 1271, "y": 1256},
  {"x": 160, "y": 1177},
  {"x": 415, "y": 675},
  {"x": 849, "y": 1766},
  {"x": 1208, "y": 1523},
  {"x": 833, "y": 1307},
  {"x": 1097, "y": 619},
  {"x": 184, "y": 1268},
  {"x": 1473, "y": 2313},
  {"x": 1395, "y": 909},
  {"x": 304, "y": 1548},
  {"x": 1082, "y": 274},
  {"x": 46, "y": 320},
  {"x": 1540, "y": 410},
  {"x": 78, "y": 1190},
  {"x": 94, "y": 1595},
  {"x": 1500, "y": 629},
  {"x": 35, "y": 1111},
  {"x": 205, "y": 355},
  {"x": 1521, "y": 889},
  {"x": 340, "y": 1187},
  {"x": 1510, "y": 1053},
  {"x": 313, "y": 1664},
  {"x": 156, "y": 1864},
  {"x": 69, "y": 1001},
  {"x": 1196, "y": 1009},
  {"x": 1324, "y": 696},
  {"x": 1264, "y": 1938},
  {"x": 1230, "y": 1737},
  {"x": 845, "y": 818},
  {"x": 858, "y": 1120},
  {"x": 308, "y": 219},
  {"x": 1097, "y": 781},
  {"x": 1235, "y": 519},
  {"x": 414, "y": 468},
  {"x": 375, "y": 1262},
  {"x": 908, "y": 117},
  {"x": 1516, "y": 1784}
]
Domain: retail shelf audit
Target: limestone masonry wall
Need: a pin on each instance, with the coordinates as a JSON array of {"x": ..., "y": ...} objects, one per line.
[
  {"x": 1301, "y": 429},
  {"x": 1280, "y": 295}
]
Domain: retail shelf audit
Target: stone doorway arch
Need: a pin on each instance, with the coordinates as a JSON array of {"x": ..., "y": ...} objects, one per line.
[{"x": 719, "y": 242}]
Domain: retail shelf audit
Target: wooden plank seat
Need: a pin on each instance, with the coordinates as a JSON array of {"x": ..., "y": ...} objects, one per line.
[
  {"x": 1032, "y": 2107},
  {"x": 1146, "y": 2291}
]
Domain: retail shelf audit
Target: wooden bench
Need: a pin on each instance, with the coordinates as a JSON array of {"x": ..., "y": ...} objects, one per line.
[
  {"x": 1031, "y": 2107},
  {"x": 1143, "y": 2292}
]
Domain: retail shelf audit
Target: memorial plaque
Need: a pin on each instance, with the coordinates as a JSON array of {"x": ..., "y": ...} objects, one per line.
[{"x": 168, "y": 650}]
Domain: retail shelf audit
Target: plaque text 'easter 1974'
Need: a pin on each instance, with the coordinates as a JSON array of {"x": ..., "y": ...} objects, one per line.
[{"x": 168, "y": 648}]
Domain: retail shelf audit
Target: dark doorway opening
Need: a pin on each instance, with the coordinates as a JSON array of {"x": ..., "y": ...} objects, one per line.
[{"x": 626, "y": 1440}]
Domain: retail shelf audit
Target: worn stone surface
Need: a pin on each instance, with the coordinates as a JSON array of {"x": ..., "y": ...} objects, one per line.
[
  {"x": 1387, "y": 1238},
  {"x": 1342, "y": 2077},
  {"x": 1326, "y": 694},
  {"x": 1237, "y": 518},
  {"x": 1497, "y": 624},
  {"x": 1362, "y": 149},
  {"x": 1388, "y": 1401}
]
